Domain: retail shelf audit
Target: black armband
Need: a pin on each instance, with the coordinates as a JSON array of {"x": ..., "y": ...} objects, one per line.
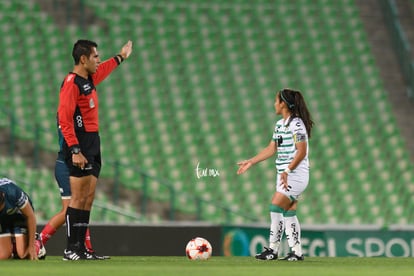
[{"x": 120, "y": 58}]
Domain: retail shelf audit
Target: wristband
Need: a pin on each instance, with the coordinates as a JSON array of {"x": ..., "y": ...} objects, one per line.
[
  {"x": 287, "y": 170},
  {"x": 121, "y": 57}
]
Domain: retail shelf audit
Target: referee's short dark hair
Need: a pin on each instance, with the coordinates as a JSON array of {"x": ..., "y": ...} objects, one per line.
[{"x": 82, "y": 47}]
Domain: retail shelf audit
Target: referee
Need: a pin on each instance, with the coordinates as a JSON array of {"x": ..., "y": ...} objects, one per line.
[{"x": 78, "y": 120}]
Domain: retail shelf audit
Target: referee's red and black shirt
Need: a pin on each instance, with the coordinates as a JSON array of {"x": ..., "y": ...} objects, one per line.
[{"x": 78, "y": 102}]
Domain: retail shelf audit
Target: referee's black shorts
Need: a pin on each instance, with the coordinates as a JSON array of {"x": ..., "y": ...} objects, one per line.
[{"x": 90, "y": 145}]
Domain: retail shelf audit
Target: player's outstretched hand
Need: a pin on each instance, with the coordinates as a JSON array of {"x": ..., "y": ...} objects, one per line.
[
  {"x": 126, "y": 49},
  {"x": 31, "y": 253},
  {"x": 244, "y": 166}
]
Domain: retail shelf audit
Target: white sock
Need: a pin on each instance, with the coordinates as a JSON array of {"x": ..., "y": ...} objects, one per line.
[
  {"x": 276, "y": 230},
  {"x": 292, "y": 231}
]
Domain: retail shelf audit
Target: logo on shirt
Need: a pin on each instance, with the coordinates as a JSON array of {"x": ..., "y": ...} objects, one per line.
[
  {"x": 79, "y": 121},
  {"x": 87, "y": 88},
  {"x": 91, "y": 103}
]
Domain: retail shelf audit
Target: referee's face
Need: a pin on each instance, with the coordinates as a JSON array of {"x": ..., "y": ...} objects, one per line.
[{"x": 93, "y": 61}]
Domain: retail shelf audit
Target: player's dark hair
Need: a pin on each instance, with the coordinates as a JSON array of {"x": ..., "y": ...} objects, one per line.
[
  {"x": 82, "y": 47},
  {"x": 297, "y": 105}
]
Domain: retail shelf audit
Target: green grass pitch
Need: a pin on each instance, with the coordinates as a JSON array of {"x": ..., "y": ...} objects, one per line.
[{"x": 215, "y": 266}]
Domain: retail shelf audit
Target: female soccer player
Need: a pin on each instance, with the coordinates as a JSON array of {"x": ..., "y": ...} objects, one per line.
[
  {"x": 290, "y": 142},
  {"x": 17, "y": 224}
]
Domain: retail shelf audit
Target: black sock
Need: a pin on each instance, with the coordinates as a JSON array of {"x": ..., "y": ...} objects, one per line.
[
  {"x": 84, "y": 223},
  {"x": 72, "y": 228}
]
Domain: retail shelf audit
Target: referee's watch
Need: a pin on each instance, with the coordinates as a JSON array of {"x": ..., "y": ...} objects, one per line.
[{"x": 75, "y": 150}]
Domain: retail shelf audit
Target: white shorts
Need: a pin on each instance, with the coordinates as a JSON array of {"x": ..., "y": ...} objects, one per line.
[{"x": 297, "y": 182}]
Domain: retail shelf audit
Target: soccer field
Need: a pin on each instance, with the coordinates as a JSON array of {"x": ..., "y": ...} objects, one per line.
[{"x": 180, "y": 266}]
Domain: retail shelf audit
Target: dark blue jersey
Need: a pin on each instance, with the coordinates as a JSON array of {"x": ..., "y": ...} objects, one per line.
[{"x": 15, "y": 199}]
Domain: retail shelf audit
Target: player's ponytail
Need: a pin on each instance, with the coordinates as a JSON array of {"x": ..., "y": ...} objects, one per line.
[{"x": 297, "y": 105}]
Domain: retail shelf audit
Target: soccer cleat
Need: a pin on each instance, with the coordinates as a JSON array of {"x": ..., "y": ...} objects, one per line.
[
  {"x": 41, "y": 253},
  {"x": 292, "y": 257},
  {"x": 267, "y": 254},
  {"x": 89, "y": 256},
  {"x": 69, "y": 255},
  {"x": 95, "y": 256}
]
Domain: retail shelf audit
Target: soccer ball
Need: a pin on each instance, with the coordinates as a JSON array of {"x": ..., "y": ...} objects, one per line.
[{"x": 198, "y": 249}]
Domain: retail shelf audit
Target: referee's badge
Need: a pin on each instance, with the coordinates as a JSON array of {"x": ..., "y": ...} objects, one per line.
[{"x": 91, "y": 103}]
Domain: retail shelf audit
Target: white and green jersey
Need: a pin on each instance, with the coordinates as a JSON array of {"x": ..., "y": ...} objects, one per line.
[{"x": 286, "y": 136}]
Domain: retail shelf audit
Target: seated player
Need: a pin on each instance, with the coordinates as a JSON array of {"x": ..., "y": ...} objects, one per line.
[{"x": 18, "y": 237}]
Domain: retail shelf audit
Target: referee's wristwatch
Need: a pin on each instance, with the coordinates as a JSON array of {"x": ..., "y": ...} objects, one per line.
[{"x": 75, "y": 150}]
